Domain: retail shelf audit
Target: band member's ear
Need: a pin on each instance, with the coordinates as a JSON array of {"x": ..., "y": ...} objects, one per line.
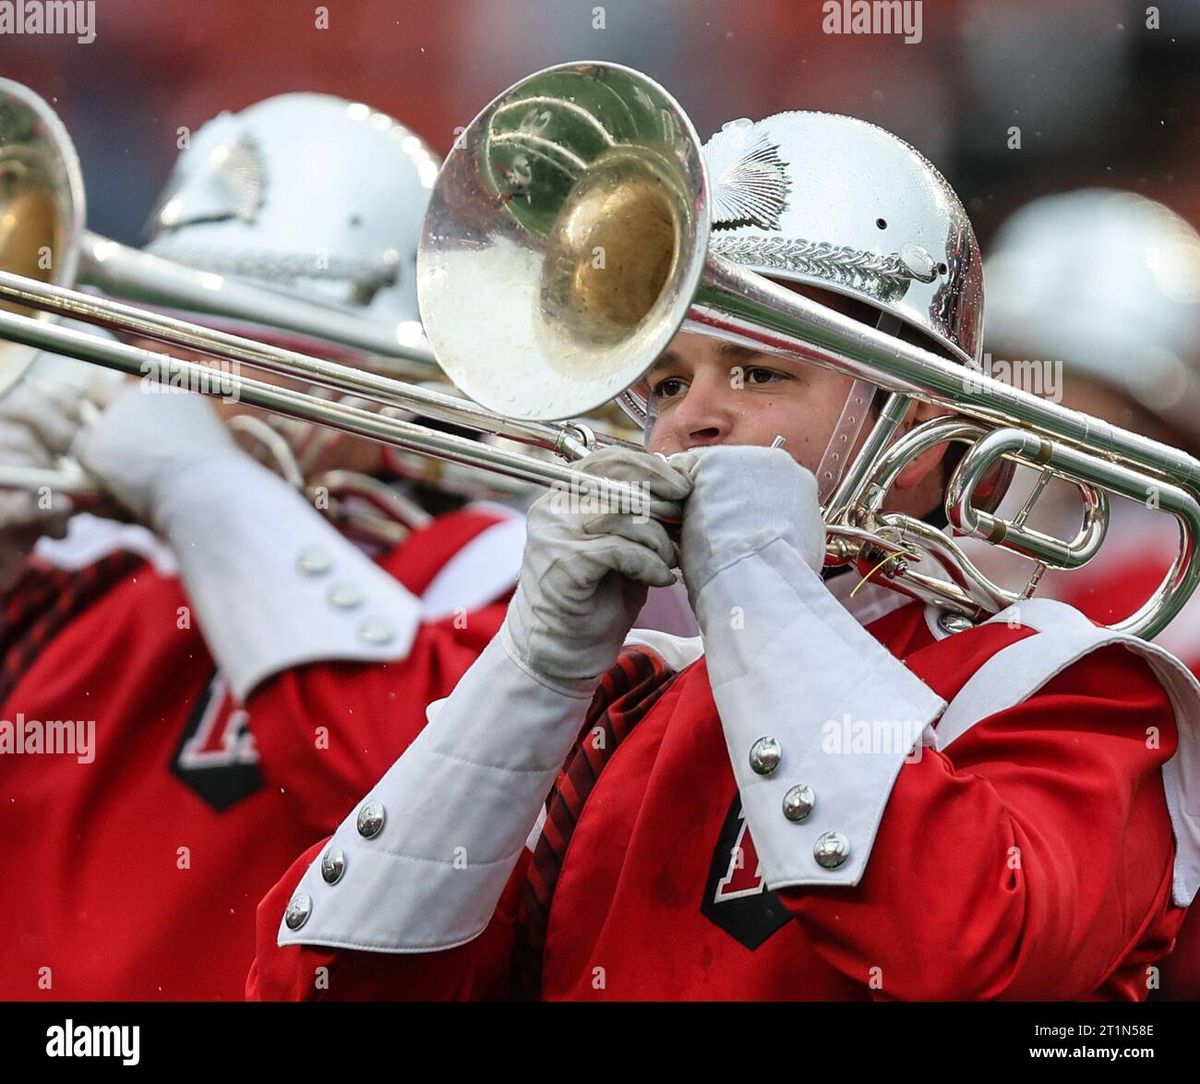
[{"x": 918, "y": 469}]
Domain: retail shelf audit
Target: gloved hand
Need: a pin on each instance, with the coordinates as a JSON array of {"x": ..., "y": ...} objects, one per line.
[
  {"x": 585, "y": 574},
  {"x": 743, "y": 499},
  {"x": 37, "y": 425},
  {"x": 144, "y": 440}
]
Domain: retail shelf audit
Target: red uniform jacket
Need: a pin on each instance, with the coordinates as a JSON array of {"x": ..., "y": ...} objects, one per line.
[
  {"x": 1032, "y": 858},
  {"x": 136, "y": 875}
]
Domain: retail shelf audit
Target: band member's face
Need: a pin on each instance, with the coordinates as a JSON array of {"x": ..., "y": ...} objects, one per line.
[
  {"x": 708, "y": 392},
  {"x": 704, "y": 391}
]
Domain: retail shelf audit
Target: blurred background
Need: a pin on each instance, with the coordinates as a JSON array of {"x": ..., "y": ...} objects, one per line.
[{"x": 1098, "y": 96}]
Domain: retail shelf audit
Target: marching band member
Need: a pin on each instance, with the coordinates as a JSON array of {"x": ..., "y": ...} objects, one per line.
[
  {"x": 1106, "y": 285},
  {"x": 239, "y": 673},
  {"x": 829, "y": 793}
]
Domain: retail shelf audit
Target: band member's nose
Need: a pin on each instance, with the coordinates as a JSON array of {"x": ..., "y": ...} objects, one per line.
[{"x": 704, "y": 414}]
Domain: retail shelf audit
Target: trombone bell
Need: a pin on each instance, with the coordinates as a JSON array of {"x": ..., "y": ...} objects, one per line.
[
  {"x": 41, "y": 206},
  {"x": 611, "y": 253},
  {"x": 564, "y": 241}
]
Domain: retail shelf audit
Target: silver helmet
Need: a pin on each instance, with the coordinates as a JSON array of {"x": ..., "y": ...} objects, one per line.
[
  {"x": 316, "y": 196},
  {"x": 835, "y": 202},
  {"x": 1108, "y": 282},
  {"x": 840, "y": 204}
]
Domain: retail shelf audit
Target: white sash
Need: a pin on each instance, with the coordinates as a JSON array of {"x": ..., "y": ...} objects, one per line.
[{"x": 1063, "y": 636}]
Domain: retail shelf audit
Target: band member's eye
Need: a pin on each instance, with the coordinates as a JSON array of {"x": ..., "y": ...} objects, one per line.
[
  {"x": 668, "y": 387},
  {"x": 759, "y": 374}
]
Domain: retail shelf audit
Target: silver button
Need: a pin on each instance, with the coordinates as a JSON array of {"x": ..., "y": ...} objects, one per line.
[
  {"x": 764, "y": 755},
  {"x": 798, "y": 802},
  {"x": 333, "y": 865},
  {"x": 314, "y": 561},
  {"x": 831, "y": 849},
  {"x": 298, "y": 910},
  {"x": 370, "y": 820},
  {"x": 345, "y": 596},
  {"x": 374, "y": 630},
  {"x": 949, "y": 621}
]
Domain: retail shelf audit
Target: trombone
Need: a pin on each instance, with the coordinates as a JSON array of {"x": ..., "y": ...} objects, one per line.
[
  {"x": 581, "y": 159},
  {"x": 42, "y": 236},
  {"x": 41, "y": 173},
  {"x": 571, "y": 441},
  {"x": 586, "y": 157}
]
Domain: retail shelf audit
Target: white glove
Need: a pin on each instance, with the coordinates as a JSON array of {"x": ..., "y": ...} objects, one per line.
[
  {"x": 585, "y": 575},
  {"x": 37, "y": 425},
  {"x": 743, "y": 499},
  {"x": 143, "y": 441}
]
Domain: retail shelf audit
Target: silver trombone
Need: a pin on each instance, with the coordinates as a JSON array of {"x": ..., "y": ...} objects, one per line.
[
  {"x": 568, "y": 441},
  {"x": 42, "y": 236},
  {"x": 41, "y": 170},
  {"x": 586, "y": 158},
  {"x": 625, "y": 167}
]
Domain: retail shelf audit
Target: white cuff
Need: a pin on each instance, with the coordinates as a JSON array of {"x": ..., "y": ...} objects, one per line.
[
  {"x": 273, "y": 584},
  {"x": 818, "y": 716},
  {"x": 421, "y": 863}
]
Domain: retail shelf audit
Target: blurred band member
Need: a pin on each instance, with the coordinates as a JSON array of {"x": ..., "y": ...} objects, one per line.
[
  {"x": 1100, "y": 289},
  {"x": 190, "y": 700}
]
